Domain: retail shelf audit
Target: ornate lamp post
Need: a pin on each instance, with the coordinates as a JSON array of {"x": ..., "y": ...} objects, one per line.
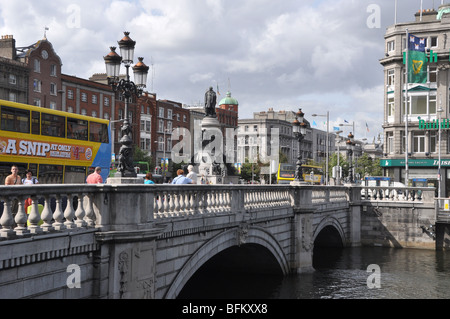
[
  {"x": 128, "y": 89},
  {"x": 350, "y": 149},
  {"x": 299, "y": 128}
]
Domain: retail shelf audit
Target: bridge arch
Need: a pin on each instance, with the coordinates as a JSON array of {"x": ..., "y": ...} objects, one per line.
[
  {"x": 221, "y": 242},
  {"x": 332, "y": 226}
]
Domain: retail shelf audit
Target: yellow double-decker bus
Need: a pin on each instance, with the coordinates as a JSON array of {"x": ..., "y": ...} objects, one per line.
[
  {"x": 286, "y": 173},
  {"x": 59, "y": 147}
]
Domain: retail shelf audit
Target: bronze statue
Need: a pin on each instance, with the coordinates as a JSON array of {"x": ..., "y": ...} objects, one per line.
[{"x": 210, "y": 102}]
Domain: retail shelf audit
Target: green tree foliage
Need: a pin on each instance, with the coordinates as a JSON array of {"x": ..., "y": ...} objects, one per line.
[
  {"x": 366, "y": 166},
  {"x": 140, "y": 156}
]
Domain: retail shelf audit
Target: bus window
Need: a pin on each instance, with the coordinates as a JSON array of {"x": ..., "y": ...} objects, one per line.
[
  {"x": 53, "y": 125},
  {"x": 35, "y": 123},
  {"x": 15, "y": 120},
  {"x": 75, "y": 175},
  {"x": 98, "y": 132},
  {"x": 77, "y": 129},
  {"x": 50, "y": 174}
]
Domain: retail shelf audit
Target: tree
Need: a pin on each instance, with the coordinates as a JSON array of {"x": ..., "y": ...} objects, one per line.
[
  {"x": 367, "y": 166},
  {"x": 141, "y": 156}
]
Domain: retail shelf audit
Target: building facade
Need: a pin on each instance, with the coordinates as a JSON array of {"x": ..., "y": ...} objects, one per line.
[{"x": 409, "y": 114}]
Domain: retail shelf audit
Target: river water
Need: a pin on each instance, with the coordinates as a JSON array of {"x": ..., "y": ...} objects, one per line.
[{"x": 342, "y": 274}]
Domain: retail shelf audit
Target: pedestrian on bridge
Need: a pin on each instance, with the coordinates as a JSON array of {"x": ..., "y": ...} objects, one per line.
[{"x": 181, "y": 179}]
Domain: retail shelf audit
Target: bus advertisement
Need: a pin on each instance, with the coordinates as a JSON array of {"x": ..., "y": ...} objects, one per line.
[
  {"x": 311, "y": 174},
  {"x": 59, "y": 147}
]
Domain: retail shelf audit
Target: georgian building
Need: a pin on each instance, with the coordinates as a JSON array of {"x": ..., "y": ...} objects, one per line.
[{"x": 421, "y": 102}]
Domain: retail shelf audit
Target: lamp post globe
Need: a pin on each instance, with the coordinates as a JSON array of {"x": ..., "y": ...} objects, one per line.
[{"x": 128, "y": 90}]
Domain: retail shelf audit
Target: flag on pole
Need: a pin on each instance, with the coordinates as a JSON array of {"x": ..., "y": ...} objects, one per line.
[
  {"x": 336, "y": 128},
  {"x": 314, "y": 124},
  {"x": 417, "y": 60},
  {"x": 345, "y": 121},
  {"x": 367, "y": 127},
  {"x": 218, "y": 93}
]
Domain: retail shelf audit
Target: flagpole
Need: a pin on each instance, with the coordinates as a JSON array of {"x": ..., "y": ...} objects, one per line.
[
  {"x": 406, "y": 110},
  {"x": 421, "y": 8},
  {"x": 395, "y": 14}
]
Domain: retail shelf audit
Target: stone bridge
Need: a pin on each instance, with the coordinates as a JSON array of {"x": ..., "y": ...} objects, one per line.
[{"x": 147, "y": 241}]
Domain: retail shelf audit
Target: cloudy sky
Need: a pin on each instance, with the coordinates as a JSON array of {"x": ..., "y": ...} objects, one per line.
[{"x": 318, "y": 55}]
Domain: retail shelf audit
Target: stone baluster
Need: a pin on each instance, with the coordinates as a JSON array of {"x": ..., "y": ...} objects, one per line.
[
  {"x": 58, "y": 215},
  {"x": 174, "y": 207},
  {"x": 187, "y": 204},
  {"x": 7, "y": 220},
  {"x": 80, "y": 212},
  {"x": 182, "y": 203},
  {"x": 192, "y": 203},
  {"x": 35, "y": 217},
  {"x": 166, "y": 204},
  {"x": 69, "y": 213},
  {"x": 89, "y": 210},
  {"x": 203, "y": 202},
  {"x": 160, "y": 205},
  {"x": 47, "y": 216},
  {"x": 21, "y": 219},
  {"x": 208, "y": 202}
]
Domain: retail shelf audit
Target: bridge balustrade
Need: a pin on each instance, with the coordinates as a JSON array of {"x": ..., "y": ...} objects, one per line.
[
  {"x": 71, "y": 207},
  {"x": 397, "y": 194}
]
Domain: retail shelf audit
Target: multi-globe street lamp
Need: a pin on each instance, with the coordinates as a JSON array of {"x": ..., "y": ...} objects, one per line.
[
  {"x": 127, "y": 89},
  {"x": 299, "y": 129}
]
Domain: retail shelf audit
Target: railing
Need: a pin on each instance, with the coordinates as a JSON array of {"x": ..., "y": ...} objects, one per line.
[
  {"x": 76, "y": 207},
  {"x": 443, "y": 210},
  {"x": 397, "y": 194}
]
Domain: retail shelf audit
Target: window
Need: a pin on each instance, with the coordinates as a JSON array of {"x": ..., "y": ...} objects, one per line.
[
  {"x": 70, "y": 109},
  {"x": 184, "y": 118},
  {"x": 160, "y": 126},
  {"x": 142, "y": 125},
  {"x": 52, "y": 105},
  {"x": 390, "y": 142},
  {"x": 432, "y": 105},
  {"x": 70, "y": 94},
  {"x": 120, "y": 114},
  {"x": 98, "y": 132},
  {"x": 94, "y": 99},
  {"x": 35, "y": 123},
  {"x": 106, "y": 116},
  {"x": 36, "y": 85},
  {"x": 432, "y": 74},
  {"x": 83, "y": 97},
  {"x": 94, "y": 113},
  {"x": 53, "y": 89},
  {"x": 37, "y": 66},
  {"x": 255, "y": 128},
  {"x": 391, "y": 46},
  {"x": 53, "y": 125},
  {"x": 53, "y": 70},
  {"x": 419, "y": 142},
  {"x": 77, "y": 129},
  {"x": 15, "y": 120},
  {"x": 83, "y": 112},
  {"x": 12, "y": 79},
  {"x": 434, "y": 42},
  {"x": 161, "y": 112},
  {"x": 37, "y": 102},
  {"x": 391, "y": 77},
  {"x": 106, "y": 102},
  {"x": 148, "y": 126},
  {"x": 433, "y": 141},
  {"x": 418, "y": 105},
  {"x": 169, "y": 114},
  {"x": 391, "y": 107},
  {"x": 12, "y": 97}
]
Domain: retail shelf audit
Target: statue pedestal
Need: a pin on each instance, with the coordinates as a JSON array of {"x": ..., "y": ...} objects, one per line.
[{"x": 210, "y": 128}]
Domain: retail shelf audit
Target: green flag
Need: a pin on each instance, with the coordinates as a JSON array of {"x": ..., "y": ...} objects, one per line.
[{"x": 417, "y": 60}]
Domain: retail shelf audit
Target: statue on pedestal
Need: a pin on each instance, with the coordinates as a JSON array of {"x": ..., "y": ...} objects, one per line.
[{"x": 210, "y": 102}]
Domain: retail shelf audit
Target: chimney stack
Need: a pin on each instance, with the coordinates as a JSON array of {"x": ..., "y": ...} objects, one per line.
[{"x": 8, "y": 47}]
